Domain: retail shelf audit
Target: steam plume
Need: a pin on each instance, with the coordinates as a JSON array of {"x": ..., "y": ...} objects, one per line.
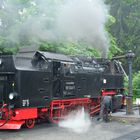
[
  {"x": 78, "y": 122},
  {"x": 64, "y": 20},
  {"x": 84, "y": 20}
]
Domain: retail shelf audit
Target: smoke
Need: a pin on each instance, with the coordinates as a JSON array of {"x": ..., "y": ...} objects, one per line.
[
  {"x": 78, "y": 122},
  {"x": 84, "y": 21},
  {"x": 66, "y": 20}
]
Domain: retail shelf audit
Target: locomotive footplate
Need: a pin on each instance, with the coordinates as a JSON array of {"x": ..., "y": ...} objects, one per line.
[{"x": 11, "y": 124}]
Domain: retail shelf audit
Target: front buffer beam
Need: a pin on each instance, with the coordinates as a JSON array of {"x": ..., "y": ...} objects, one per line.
[{"x": 11, "y": 124}]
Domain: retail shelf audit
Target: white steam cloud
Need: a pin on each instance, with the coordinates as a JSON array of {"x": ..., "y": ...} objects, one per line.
[
  {"x": 78, "y": 122},
  {"x": 84, "y": 20},
  {"x": 57, "y": 20}
]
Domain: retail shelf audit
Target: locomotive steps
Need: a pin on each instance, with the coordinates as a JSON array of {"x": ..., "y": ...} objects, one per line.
[{"x": 121, "y": 116}]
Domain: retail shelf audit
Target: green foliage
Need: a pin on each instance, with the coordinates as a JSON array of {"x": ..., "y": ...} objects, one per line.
[
  {"x": 110, "y": 22},
  {"x": 51, "y": 47},
  {"x": 113, "y": 49},
  {"x": 7, "y": 47},
  {"x": 9, "y": 50},
  {"x": 69, "y": 48},
  {"x": 136, "y": 85},
  {"x": 127, "y": 25},
  {"x": 126, "y": 85},
  {"x": 79, "y": 48}
]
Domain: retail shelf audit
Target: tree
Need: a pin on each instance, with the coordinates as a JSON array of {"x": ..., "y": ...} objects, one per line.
[
  {"x": 136, "y": 85},
  {"x": 127, "y": 26},
  {"x": 113, "y": 49}
]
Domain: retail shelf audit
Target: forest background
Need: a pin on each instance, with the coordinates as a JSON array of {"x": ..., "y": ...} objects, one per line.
[{"x": 122, "y": 27}]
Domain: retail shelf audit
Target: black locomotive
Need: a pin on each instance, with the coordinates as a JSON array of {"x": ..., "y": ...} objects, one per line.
[{"x": 43, "y": 85}]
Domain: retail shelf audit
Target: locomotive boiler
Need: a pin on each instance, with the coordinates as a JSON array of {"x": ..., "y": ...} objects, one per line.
[{"x": 47, "y": 86}]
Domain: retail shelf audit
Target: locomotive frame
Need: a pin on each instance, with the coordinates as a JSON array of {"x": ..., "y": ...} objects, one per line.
[{"x": 47, "y": 86}]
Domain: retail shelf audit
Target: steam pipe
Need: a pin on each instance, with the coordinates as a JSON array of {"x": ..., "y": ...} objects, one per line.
[
  {"x": 119, "y": 57},
  {"x": 128, "y": 55}
]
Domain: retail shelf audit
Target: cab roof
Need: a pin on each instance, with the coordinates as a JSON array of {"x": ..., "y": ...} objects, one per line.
[{"x": 54, "y": 56}]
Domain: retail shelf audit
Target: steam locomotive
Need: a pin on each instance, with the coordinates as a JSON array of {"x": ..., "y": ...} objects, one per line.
[{"x": 37, "y": 85}]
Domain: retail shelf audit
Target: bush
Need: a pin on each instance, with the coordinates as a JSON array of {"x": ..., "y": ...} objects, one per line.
[
  {"x": 136, "y": 85},
  {"x": 69, "y": 48}
]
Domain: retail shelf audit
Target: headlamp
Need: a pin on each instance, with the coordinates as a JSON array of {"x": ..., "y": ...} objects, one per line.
[{"x": 12, "y": 95}]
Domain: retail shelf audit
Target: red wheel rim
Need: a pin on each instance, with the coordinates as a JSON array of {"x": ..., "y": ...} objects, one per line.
[{"x": 30, "y": 123}]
